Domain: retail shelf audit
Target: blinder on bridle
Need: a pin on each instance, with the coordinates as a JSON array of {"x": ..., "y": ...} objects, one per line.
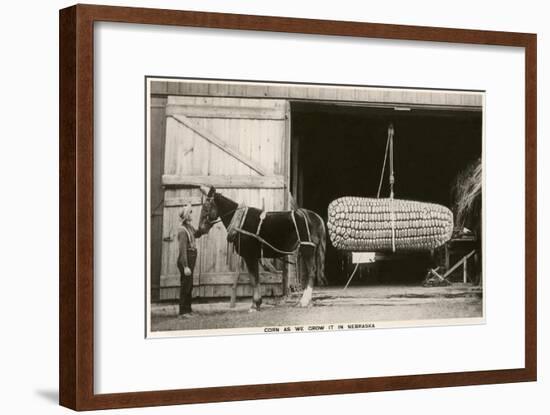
[
  {"x": 212, "y": 222},
  {"x": 210, "y": 195}
]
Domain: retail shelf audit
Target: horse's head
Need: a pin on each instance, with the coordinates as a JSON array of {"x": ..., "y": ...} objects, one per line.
[{"x": 209, "y": 211}]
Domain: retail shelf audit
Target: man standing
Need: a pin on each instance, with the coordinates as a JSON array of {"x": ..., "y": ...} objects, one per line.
[{"x": 186, "y": 259}]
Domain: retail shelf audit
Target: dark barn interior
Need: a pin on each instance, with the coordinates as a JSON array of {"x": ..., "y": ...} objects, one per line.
[{"x": 338, "y": 150}]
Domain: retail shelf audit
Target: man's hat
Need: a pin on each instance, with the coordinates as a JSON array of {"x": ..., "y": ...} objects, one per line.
[{"x": 185, "y": 211}]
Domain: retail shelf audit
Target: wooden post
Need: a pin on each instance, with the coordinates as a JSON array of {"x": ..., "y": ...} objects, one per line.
[
  {"x": 290, "y": 156},
  {"x": 465, "y": 270}
]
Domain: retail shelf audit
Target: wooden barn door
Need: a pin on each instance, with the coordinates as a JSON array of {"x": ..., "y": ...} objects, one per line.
[{"x": 241, "y": 146}]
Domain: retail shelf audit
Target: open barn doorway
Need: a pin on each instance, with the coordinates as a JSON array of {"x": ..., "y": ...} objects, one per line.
[{"x": 338, "y": 150}]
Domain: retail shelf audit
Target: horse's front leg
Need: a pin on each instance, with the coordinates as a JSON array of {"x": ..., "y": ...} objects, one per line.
[
  {"x": 308, "y": 257},
  {"x": 254, "y": 272}
]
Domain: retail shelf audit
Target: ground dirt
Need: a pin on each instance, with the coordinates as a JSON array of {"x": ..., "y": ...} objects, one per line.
[{"x": 331, "y": 305}]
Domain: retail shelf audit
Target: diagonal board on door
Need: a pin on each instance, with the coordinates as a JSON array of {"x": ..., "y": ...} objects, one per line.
[{"x": 238, "y": 145}]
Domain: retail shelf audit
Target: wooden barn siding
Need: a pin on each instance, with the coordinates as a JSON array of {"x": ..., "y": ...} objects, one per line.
[
  {"x": 323, "y": 93},
  {"x": 255, "y": 128},
  {"x": 158, "y": 131}
]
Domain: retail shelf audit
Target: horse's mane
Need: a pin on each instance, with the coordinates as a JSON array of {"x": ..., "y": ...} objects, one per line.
[
  {"x": 225, "y": 206},
  {"x": 224, "y": 198}
]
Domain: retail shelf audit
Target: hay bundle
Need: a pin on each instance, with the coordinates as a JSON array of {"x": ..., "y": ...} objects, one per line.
[{"x": 466, "y": 194}]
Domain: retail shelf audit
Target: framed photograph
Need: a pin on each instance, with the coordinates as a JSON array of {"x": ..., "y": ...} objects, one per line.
[{"x": 256, "y": 207}]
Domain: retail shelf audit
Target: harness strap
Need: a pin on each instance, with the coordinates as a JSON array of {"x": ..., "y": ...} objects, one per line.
[
  {"x": 308, "y": 242},
  {"x": 293, "y": 216},
  {"x": 262, "y": 217},
  {"x": 263, "y": 241},
  {"x": 307, "y": 229},
  {"x": 244, "y": 217}
]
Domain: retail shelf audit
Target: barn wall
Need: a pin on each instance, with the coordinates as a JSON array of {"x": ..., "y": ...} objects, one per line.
[
  {"x": 351, "y": 94},
  {"x": 250, "y": 128}
]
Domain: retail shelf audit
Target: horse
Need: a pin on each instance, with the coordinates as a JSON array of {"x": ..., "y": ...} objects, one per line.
[{"x": 275, "y": 234}]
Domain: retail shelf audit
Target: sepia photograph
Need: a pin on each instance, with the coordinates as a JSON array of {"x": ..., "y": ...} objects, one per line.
[{"x": 292, "y": 207}]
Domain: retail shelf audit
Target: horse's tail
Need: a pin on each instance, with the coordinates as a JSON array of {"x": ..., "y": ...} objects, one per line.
[{"x": 320, "y": 251}]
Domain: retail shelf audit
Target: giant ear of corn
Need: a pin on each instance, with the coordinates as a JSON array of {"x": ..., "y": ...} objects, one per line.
[{"x": 366, "y": 224}]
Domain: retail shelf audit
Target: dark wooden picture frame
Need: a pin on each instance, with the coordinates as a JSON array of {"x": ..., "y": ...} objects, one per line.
[{"x": 76, "y": 278}]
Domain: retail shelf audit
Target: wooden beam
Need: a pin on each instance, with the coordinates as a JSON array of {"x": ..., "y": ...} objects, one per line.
[
  {"x": 416, "y": 98},
  {"x": 225, "y": 182},
  {"x": 222, "y": 145},
  {"x": 182, "y": 201},
  {"x": 226, "y": 112}
]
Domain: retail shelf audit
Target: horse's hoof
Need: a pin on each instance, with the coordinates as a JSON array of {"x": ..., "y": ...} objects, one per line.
[
  {"x": 253, "y": 310},
  {"x": 305, "y": 301}
]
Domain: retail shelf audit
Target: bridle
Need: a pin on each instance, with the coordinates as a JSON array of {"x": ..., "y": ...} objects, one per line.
[{"x": 211, "y": 223}]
